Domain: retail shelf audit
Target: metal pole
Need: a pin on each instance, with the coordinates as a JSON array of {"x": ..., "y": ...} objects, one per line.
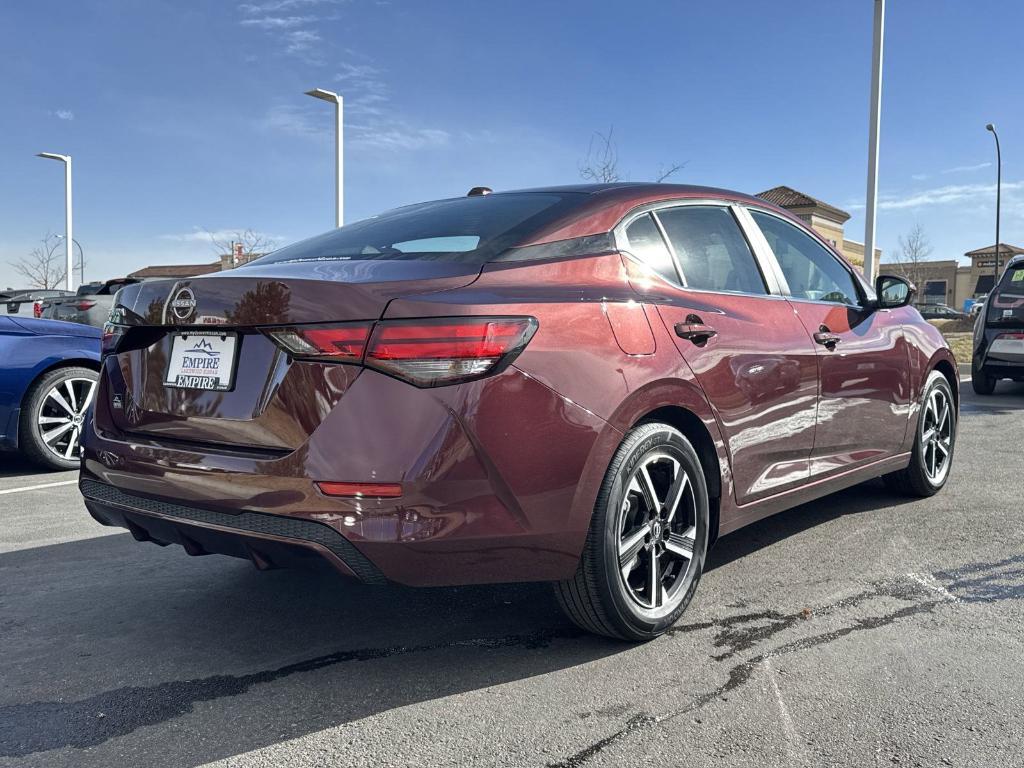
[
  {"x": 874, "y": 126},
  {"x": 69, "y": 246},
  {"x": 339, "y": 153},
  {"x": 999, "y": 188}
]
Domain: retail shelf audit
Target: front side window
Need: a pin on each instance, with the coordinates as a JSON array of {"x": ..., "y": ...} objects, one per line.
[
  {"x": 646, "y": 243},
  {"x": 811, "y": 271},
  {"x": 713, "y": 255}
]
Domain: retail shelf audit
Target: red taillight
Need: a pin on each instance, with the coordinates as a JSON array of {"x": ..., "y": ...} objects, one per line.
[
  {"x": 428, "y": 353},
  {"x": 110, "y": 337},
  {"x": 37, "y": 308},
  {"x": 341, "y": 343},
  {"x": 85, "y": 304},
  {"x": 361, "y": 490},
  {"x": 438, "y": 351}
]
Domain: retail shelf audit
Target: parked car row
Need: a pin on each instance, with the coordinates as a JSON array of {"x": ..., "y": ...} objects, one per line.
[
  {"x": 90, "y": 305},
  {"x": 28, "y": 302}
]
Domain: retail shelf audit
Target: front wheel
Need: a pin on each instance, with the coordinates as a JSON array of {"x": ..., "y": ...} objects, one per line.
[
  {"x": 932, "y": 454},
  {"x": 648, "y": 538}
]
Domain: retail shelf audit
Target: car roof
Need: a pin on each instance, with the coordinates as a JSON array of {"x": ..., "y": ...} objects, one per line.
[{"x": 606, "y": 204}]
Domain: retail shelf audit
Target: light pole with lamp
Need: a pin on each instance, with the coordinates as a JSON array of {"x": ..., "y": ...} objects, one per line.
[
  {"x": 339, "y": 156},
  {"x": 999, "y": 186},
  {"x": 66, "y": 159}
]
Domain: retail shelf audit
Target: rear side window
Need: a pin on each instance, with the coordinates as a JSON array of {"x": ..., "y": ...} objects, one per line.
[
  {"x": 646, "y": 243},
  {"x": 712, "y": 252},
  {"x": 811, "y": 271},
  {"x": 469, "y": 230},
  {"x": 1007, "y": 303}
]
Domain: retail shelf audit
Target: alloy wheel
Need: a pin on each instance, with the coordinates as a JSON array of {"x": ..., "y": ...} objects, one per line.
[
  {"x": 936, "y": 435},
  {"x": 62, "y": 414},
  {"x": 657, "y": 531}
]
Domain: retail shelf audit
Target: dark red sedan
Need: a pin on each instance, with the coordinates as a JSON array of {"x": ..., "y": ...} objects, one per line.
[{"x": 583, "y": 385}]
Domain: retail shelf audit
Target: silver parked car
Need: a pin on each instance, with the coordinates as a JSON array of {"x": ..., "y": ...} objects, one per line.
[
  {"x": 90, "y": 306},
  {"x": 23, "y": 302}
]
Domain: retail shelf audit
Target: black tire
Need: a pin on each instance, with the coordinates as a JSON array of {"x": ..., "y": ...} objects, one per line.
[
  {"x": 30, "y": 438},
  {"x": 982, "y": 383},
  {"x": 916, "y": 480},
  {"x": 597, "y": 598}
]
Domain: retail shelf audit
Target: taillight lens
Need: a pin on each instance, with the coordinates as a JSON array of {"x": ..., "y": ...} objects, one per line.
[
  {"x": 343, "y": 342},
  {"x": 438, "y": 351},
  {"x": 110, "y": 338},
  {"x": 37, "y": 308},
  {"x": 428, "y": 353},
  {"x": 83, "y": 305}
]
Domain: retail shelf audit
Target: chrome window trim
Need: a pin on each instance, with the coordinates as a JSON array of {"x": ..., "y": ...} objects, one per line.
[
  {"x": 864, "y": 294},
  {"x": 773, "y": 289}
]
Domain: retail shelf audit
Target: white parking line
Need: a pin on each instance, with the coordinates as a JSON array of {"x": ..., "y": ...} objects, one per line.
[
  {"x": 38, "y": 487},
  {"x": 928, "y": 581}
]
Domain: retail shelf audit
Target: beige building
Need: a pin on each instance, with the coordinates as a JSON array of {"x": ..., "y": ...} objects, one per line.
[
  {"x": 825, "y": 219},
  {"x": 952, "y": 283}
]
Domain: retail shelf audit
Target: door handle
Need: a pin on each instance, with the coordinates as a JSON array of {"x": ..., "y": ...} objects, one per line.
[
  {"x": 826, "y": 338},
  {"x": 693, "y": 329}
]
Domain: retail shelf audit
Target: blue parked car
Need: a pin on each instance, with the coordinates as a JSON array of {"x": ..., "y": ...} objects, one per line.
[{"x": 48, "y": 372}]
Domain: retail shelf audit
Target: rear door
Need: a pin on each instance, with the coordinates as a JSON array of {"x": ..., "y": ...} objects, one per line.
[
  {"x": 863, "y": 358},
  {"x": 747, "y": 349}
]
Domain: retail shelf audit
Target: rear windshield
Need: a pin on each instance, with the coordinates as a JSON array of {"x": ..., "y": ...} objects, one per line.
[
  {"x": 1006, "y": 305},
  {"x": 466, "y": 229}
]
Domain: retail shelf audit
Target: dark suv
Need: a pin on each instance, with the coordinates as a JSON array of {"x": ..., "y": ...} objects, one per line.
[{"x": 999, "y": 332}]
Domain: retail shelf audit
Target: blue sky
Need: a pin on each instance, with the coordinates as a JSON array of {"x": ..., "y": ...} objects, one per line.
[{"x": 187, "y": 116}]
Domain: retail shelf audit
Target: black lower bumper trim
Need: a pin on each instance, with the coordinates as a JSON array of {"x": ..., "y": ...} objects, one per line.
[{"x": 257, "y": 523}]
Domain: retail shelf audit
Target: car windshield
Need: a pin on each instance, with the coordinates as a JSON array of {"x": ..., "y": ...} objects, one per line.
[
  {"x": 1006, "y": 306},
  {"x": 467, "y": 229}
]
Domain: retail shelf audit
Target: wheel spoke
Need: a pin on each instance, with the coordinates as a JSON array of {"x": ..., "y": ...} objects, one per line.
[
  {"x": 648, "y": 489},
  {"x": 88, "y": 396},
  {"x": 58, "y": 398},
  {"x": 927, "y": 436},
  {"x": 944, "y": 418},
  {"x": 654, "y": 578},
  {"x": 69, "y": 387},
  {"x": 681, "y": 544},
  {"x": 53, "y": 434},
  {"x": 72, "y": 444},
  {"x": 629, "y": 547},
  {"x": 675, "y": 494},
  {"x": 943, "y": 445},
  {"x": 54, "y": 420}
]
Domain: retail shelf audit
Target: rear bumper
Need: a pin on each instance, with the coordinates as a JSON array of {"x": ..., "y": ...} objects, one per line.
[
  {"x": 269, "y": 541},
  {"x": 498, "y": 478}
]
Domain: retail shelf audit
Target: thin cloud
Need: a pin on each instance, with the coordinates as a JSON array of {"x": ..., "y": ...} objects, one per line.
[
  {"x": 967, "y": 168},
  {"x": 64, "y": 114},
  {"x": 962, "y": 194},
  {"x": 200, "y": 235},
  {"x": 277, "y": 22}
]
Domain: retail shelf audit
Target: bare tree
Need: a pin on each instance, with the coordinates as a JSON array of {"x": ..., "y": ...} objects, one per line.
[
  {"x": 601, "y": 165},
  {"x": 45, "y": 266},
  {"x": 914, "y": 251},
  {"x": 249, "y": 242}
]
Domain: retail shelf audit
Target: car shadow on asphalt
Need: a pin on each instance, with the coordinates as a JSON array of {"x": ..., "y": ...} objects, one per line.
[
  {"x": 14, "y": 465},
  {"x": 144, "y": 636}
]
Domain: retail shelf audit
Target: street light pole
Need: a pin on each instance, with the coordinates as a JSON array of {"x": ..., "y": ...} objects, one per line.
[
  {"x": 81, "y": 260},
  {"x": 69, "y": 268},
  {"x": 339, "y": 153},
  {"x": 999, "y": 187},
  {"x": 874, "y": 126}
]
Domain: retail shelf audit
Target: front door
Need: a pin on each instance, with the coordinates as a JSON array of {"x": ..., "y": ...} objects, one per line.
[
  {"x": 746, "y": 347},
  {"x": 863, "y": 358}
]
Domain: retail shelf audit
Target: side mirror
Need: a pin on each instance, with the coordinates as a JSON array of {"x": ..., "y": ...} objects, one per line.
[{"x": 893, "y": 291}]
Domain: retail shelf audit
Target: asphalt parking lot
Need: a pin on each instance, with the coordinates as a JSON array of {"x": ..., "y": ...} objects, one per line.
[{"x": 863, "y": 629}]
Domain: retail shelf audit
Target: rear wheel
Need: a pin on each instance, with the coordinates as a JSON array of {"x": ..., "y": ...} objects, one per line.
[
  {"x": 648, "y": 538},
  {"x": 982, "y": 383},
  {"x": 933, "y": 446},
  {"x": 53, "y": 415}
]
